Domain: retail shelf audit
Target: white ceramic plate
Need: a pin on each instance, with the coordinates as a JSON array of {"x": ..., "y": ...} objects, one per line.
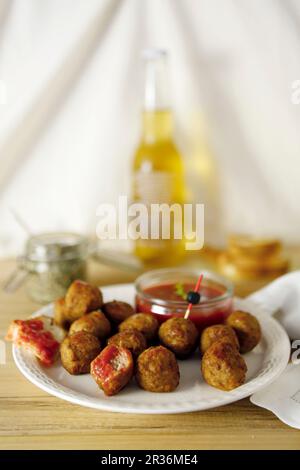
[{"x": 265, "y": 363}]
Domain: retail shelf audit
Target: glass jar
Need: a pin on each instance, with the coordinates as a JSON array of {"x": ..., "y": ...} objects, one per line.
[
  {"x": 161, "y": 292},
  {"x": 52, "y": 261}
]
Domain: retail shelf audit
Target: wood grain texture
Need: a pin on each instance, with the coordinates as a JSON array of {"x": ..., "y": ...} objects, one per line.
[{"x": 32, "y": 419}]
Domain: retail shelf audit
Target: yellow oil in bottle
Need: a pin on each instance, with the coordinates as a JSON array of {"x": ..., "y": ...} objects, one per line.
[{"x": 158, "y": 170}]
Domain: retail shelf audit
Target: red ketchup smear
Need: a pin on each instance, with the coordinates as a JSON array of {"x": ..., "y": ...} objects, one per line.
[
  {"x": 209, "y": 315},
  {"x": 103, "y": 365},
  {"x": 33, "y": 333}
]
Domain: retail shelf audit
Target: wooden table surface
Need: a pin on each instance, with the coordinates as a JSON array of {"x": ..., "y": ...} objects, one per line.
[{"x": 32, "y": 419}]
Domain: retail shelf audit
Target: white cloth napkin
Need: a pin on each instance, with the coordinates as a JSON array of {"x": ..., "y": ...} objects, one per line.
[
  {"x": 281, "y": 298},
  {"x": 282, "y": 397}
]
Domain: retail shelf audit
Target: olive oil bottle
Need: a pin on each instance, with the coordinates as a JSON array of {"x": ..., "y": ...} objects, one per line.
[{"x": 158, "y": 171}]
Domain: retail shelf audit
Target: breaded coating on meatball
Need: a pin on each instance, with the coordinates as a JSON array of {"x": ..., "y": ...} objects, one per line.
[
  {"x": 180, "y": 335},
  {"x": 77, "y": 352},
  {"x": 157, "y": 370},
  {"x": 95, "y": 323},
  {"x": 112, "y": 369},
  {"x": 82, "y": 298},
  {"x": 61, "y": 313},
  {"x": 117, "y": 311},
  {"x": 223, "y": 366},
  {"x": 133, "y": 340},
  {"x": 143, "y": 322},
  {"x": 214, "y": 333},
  {"x": 246, "y": 328}
]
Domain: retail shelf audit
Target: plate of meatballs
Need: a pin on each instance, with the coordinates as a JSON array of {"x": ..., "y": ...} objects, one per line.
[{"x": 94, "y": 349}]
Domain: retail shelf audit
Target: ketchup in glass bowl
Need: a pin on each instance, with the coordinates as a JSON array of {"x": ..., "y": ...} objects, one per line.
[{"x": 162, "y": 292}]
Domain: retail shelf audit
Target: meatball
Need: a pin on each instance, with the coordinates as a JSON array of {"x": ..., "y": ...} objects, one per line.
[
  {"x": 223, "y": 366},
  {"x": 157, "y": 370},
  {"x": 133, "y": 340},
  {"x": 77, "y": 352},
  {"x": 143, "y": 322},
  {"x": 117, "y": 311},
  {"x": 82, "y": 298},
  {"x": 246, "y": 328},
  {"x": 180, "y": 335},
  {"x": 214, "y": 333},
  {"x": 95, "y": 323},
  {"x": 39, "y": 335},
  {"x": 112, "y": 369},
  {"x": 61, "y": 313}
]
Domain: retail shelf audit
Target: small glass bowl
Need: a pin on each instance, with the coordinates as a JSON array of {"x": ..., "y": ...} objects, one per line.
[
  {"x": 215, "y": 305},
  {"x": 52, "y": 262}
]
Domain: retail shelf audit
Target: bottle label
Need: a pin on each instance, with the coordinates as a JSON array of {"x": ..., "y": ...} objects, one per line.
[
  {"x": 155, "y": 187},
  {"x": 151, "y": 189}
]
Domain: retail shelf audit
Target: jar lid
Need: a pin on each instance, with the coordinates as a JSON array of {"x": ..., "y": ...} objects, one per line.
[{"x": 56, "y": 246}]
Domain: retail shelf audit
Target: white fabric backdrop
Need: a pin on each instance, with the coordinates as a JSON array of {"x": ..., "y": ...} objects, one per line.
[{"x": 70, "y": 120}]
